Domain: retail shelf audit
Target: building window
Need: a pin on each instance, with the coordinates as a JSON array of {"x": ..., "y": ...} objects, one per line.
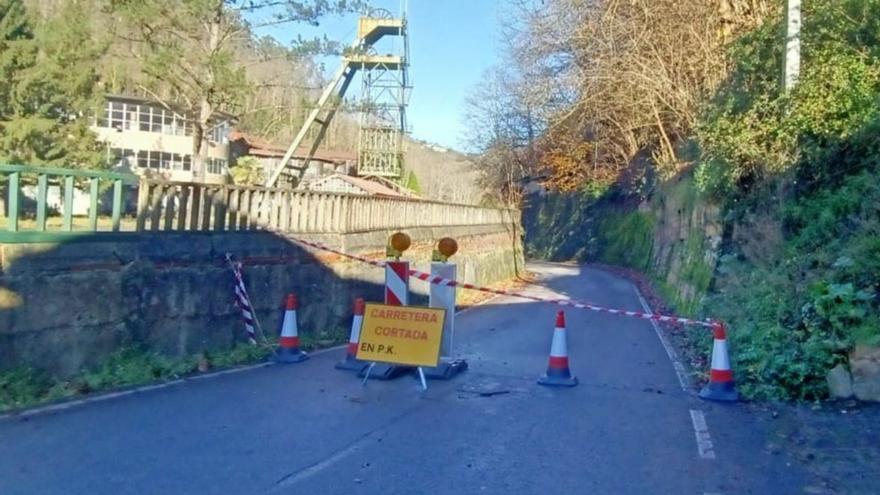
[
  {"x": 144, "y": 119},
  {"x": 143, "y": 159},
  {"x": 156, "y": 120},
  {"x": 219, "y": 133},
  {"x": 121, "y": 157},
  {"x": 161, "y": 160},
  {"x": 153, "y": 118},
  {"x": 164, "y": 160},
  {"x": 117, "y": 115},
  {"x": 154, "y": 161},
  {"x": 216, "y": 166}
]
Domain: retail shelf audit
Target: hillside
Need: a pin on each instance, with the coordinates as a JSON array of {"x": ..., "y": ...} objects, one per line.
[
  {"x": 443, "y": 174},
  {"x": 741, "y": 201}
]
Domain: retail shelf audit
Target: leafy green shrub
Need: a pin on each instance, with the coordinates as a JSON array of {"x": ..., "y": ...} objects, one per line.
[
  {"x": 18, "y": 387},
  {"x": 752, "y": 130},
  {"x": 810, "y": 158},
  {"x": 248, "y": 171},
  {"x": 800, "y": 312}
]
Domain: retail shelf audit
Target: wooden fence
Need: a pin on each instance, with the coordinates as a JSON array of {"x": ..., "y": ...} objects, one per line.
[
  {"x": 115, "y": 202},
  {"x": 186, "y": 206}
]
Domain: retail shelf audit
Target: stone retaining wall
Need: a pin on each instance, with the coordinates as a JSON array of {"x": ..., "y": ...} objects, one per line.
[{"x": 66, "y": 306}]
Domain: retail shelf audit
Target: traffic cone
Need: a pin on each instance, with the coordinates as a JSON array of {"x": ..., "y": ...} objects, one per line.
[
  {"x": 350, "y": 362},
  {"x": 721, "y": 385},
  {"x": 558, "y": 374},
  {"x": 288, "y": 348}
]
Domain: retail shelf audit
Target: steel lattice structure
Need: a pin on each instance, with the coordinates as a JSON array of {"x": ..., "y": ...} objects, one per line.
[{"x": 384, "y": 97}]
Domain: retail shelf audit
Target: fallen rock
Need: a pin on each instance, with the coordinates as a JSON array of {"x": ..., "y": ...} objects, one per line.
[
  {"x": 839, "y": 382},
  {"x": 865, "y": 365}
]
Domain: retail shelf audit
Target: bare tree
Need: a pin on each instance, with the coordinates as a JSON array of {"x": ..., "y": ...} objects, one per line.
[
  {"x": 187, "y": 48},
  {"x": 501, "y": 131},
  {"x": 604, "y": 81}
]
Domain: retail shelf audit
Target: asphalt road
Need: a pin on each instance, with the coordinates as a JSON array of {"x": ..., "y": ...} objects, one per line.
[{"x": 307, "y": 428}]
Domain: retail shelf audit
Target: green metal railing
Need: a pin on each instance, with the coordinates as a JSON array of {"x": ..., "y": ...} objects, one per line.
[{"x": 14, "y": 177}]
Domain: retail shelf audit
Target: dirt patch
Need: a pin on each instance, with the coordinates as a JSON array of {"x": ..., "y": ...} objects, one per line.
[{"x": 837, "y": 443}]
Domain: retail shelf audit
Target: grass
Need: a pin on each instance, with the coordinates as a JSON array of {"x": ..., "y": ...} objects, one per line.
[{"x": 132, "y": 366}]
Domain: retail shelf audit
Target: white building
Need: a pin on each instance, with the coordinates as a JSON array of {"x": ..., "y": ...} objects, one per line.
[
  {"x": 148, "y": 138},
  {"x": 357, "y": 185}
]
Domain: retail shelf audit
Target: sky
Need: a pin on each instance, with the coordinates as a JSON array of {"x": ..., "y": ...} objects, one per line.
[{"x": 451, "y": 43}]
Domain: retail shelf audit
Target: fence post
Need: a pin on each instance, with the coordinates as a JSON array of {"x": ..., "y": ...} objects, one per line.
[
  {"x": 42, "y": 196},
  {"x": 254, "y": 208},
  {"x": 117, "y": 204},
  {"x": 195, "y": 209},
  {"x": 68, "y": 203},
  {"x": 234, "y": 196},
  {"x": 169, "y": 208},
  {"x": 207, "y": 202},
  {"x": 345, "y": 213},
  {"x": 220, "y": 200},
  {"x": 12, "y": 208},
  {"x": 156, "y": 207},
  {"x": 285, "y": 211},
  {"x": 183, "y": 207},
  {"x": 142, "y": 205},
  {"x": 93, "y": 204}
]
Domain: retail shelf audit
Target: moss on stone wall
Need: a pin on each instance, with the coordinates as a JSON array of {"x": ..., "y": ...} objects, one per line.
[{"x": 673, "y": 237}]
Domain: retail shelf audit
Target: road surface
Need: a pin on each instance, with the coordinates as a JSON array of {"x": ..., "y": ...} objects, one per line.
[{"x": 307, "y": 428}]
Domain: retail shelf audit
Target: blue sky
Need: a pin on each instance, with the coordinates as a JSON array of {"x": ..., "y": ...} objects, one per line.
[{"x": 451, "y": 43}]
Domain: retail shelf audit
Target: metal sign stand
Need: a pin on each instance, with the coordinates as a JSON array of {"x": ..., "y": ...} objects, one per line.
[
  {"x": 373, "y": 364},
  {"x": 367, "y": 373},
  {"x": 422, "y": 377}
]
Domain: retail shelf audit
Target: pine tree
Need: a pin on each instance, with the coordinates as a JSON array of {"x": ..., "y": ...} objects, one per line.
[
  {"x": 49, "y": 91},
  {"x": 187, "y": 50}
]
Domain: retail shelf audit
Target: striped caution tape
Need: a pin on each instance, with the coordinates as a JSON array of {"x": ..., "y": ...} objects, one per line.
[
  {"x": 436, "y": 280},
  {"x": 322, "y": 247}
]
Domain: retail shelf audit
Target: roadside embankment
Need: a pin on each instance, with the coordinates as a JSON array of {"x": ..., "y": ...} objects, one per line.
[{"x": 67, "y": 306}]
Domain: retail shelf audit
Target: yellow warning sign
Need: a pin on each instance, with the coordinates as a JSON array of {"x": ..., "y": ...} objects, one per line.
[{"x": 408, "y": 335}]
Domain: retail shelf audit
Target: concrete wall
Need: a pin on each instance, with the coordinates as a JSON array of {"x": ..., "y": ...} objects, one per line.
[{"x": 66, "y": 306}]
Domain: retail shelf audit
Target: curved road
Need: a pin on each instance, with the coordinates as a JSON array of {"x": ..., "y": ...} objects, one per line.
[{"x": 629, "y": 427}]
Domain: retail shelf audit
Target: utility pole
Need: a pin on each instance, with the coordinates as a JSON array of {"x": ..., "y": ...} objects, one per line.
[{"x": 792, "y": 62}]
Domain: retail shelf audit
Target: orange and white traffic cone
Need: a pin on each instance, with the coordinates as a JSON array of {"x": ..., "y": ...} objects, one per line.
[
  {"x": 721, "y": 386},
  {"x": 288, "y": 348},
  {"x": 350, "y": 362},
  {"x": 558, "y": 373}
]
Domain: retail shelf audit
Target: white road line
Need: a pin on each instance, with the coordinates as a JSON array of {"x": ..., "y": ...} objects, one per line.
[
  {"x": 670, "y": 351},
  {"x": 363, "y": 442},
  {"x": 322, "y": 465},
  {"x": 701, "y": 430}
]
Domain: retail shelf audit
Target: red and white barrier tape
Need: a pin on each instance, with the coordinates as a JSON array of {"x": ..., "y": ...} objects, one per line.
[{"x": 432, "y": 279}]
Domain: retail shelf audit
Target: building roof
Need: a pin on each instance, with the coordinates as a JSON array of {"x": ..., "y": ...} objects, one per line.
[
  {"x": 260, "y": 147},
  {"x": 368, "y": 186}
]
